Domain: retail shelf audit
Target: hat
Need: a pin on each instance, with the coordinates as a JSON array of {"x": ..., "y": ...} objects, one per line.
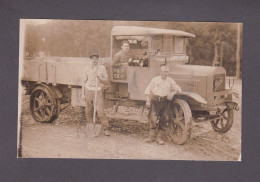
[{"x": 94, "y": 55}]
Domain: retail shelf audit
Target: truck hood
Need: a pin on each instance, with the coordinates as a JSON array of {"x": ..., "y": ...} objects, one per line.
[{"x": 196, "y": 70}]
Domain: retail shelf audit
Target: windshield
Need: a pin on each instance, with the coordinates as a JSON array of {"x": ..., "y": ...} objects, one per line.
[
  {"x": 138, "y": 45},
  {"x": 168, "y": 44}
]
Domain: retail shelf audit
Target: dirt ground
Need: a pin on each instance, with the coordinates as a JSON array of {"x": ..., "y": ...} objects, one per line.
[{"x": 65, "y": 138}]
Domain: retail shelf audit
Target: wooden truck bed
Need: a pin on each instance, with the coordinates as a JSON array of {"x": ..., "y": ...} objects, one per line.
[{"x": 55, "y": 70}]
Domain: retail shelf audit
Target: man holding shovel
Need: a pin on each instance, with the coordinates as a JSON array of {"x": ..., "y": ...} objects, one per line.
[{"x": 94, "y": 78}]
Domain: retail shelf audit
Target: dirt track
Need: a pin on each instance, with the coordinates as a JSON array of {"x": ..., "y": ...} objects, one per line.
[{"x": 65, "y": 138}]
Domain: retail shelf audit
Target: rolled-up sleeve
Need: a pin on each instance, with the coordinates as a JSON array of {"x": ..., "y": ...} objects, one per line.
[
  {"x": 104, "y": 72},
  {"x": 175, "y": 86},
  {"x": 149, "y": 88}
]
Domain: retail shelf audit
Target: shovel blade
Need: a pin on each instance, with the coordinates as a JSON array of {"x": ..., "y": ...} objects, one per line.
[{"x": 93, "y": 130}]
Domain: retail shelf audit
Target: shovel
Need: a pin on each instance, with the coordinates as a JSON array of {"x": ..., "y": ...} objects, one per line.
[{"x": 93, "y": 129}]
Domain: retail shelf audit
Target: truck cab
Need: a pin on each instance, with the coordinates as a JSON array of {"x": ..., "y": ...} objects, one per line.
[{"x": 150, "y": 48}]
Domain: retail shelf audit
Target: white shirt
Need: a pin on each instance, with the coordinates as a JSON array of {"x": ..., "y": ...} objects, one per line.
[
  {"x": 161, "y": 87},
  {"x": 89, "y": 76}
]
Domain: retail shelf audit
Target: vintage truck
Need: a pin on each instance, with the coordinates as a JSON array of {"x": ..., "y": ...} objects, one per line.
[{"x": 52, "y": 81}]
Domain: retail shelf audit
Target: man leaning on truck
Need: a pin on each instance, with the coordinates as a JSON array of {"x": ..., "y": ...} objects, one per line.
[
  {"x": 91, "y": 73},
  {"x": 159, "y": 93}
]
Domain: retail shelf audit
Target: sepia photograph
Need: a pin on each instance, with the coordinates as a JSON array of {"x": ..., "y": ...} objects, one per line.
[{"x": 142, "y": 90}]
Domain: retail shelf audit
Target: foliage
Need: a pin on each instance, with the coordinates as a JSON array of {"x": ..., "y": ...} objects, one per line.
[{"x": 69, "y": 38}]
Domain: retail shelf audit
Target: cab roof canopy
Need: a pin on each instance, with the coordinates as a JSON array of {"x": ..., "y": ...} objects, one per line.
[{"x": 144, "y": 31}]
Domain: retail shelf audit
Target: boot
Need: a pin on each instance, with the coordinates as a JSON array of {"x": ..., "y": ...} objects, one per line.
[
  {"x": 159, "y": 139},
  {"x": 106, "y": 131},
  {"x": 105, "y": 125},
  {"x": 152, "y": 136}
]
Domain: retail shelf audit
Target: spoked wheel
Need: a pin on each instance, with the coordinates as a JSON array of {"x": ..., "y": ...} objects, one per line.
[
  {"x": 43, "y": 104},
  {"x": 179, "y": 126},
  {"x": 224, "y": 124}
]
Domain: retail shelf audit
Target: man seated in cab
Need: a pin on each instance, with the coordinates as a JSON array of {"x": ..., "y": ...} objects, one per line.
[
  {"x": 159, "y": 94},
  {"x": 121, "y": 58}
]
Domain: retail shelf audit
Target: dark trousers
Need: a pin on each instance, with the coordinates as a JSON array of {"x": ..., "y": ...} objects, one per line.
[{"x": 159, "y": 113}]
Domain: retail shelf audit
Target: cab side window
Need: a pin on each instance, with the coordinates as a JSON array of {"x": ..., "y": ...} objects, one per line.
[{"x": 179, "y": 46}]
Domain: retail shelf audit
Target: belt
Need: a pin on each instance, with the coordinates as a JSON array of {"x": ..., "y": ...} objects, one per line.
[{"x": 159, "y": 98}]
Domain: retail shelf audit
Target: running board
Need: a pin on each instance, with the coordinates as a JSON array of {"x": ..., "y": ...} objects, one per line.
[{"x": 140, "y": 118}]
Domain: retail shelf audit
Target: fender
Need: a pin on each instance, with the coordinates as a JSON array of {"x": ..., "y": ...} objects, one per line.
[
  {"x": 54, "y": 90},
  {"x": 191, "y": 97},
  {"x": 57, "y": 92}
]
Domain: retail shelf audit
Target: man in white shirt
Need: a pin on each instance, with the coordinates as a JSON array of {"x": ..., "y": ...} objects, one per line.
[
  {"x": 91, "y": 73},
  {"x": 159, "y": 93}
]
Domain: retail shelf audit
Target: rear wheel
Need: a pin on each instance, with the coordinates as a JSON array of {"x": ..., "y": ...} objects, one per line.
[
  {"x": 58, "y": 107},
  {"x": 180, "y": 123},
  {"x": 43, "y": 104}
]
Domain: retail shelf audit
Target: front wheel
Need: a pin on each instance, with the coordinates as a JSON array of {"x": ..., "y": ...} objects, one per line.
[
  {"x": 179, "y": 126},
  {"x": 223, "y": 124}
]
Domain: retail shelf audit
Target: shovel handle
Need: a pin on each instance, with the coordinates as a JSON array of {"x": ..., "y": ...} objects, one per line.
[{"x": 95, "y": 103}]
